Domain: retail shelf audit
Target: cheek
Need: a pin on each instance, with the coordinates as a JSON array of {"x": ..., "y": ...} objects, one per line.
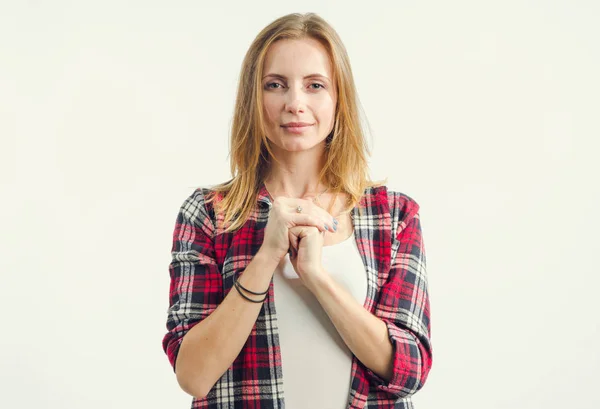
[
  {"x": 325, "y": 109},
  {"x": 270, "y": 108}
]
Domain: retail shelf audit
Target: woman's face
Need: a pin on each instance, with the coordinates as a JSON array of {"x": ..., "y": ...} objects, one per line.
[{"x": 298, "y": 87}]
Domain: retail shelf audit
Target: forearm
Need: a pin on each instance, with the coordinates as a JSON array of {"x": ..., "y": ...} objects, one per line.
[
  {"x": 365, "y": 334},
  {"x": 211, "y": 346}
]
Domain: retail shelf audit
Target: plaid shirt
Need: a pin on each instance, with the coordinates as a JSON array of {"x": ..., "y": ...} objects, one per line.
[{"x": 205, "y": 263}]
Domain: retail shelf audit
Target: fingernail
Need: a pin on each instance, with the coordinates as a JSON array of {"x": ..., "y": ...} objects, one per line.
[
  {"x": 326, "y": 228},
  {"x": 335, "y": 227},
  {"x": 335, "y": 221}
]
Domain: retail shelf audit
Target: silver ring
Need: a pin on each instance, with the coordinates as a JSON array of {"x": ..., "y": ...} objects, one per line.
[{"x": 299, "y": 209}]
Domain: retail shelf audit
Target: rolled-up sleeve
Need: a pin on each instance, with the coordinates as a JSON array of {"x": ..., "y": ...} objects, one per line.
[
  {"x": 403, "y": 305},
  {"x": 196, "y": 287}
]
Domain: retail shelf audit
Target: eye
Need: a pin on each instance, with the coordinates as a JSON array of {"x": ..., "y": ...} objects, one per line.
[
  {"x": 320, "y": 85},
  {"x": 272, "y": 83}
]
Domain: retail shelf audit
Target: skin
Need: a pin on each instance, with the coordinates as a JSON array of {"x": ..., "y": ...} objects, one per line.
[
  {"x": 210, "y": 347},
  {"x": 293, "y": 96}
]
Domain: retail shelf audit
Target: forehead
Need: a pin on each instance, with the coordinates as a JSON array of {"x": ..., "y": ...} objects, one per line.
[{"x": 297, "y": 57}]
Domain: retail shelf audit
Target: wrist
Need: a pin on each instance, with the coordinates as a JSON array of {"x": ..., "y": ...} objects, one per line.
[
  {"x": 318, "y": 280},
  {"x": 267, "y": 258}
]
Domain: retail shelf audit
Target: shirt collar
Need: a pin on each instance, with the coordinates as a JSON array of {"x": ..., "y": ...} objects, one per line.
[{"x": 264, "y": 196}]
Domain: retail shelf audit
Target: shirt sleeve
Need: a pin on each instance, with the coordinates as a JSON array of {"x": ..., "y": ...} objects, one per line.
[
  {"x": 196, "y": 287},
  {"x": 404, "y": 306}
]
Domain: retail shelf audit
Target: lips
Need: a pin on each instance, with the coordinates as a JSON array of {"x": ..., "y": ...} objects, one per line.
[
  {"x": 296, "y": 124},
  {"x": 296, "y": 128}
]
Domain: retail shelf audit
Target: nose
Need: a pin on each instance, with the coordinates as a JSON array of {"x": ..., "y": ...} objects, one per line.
[{"x": 295, "y": 100}]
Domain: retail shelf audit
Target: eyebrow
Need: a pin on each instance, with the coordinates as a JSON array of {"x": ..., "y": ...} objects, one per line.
[{"x": 283, "y": 77}]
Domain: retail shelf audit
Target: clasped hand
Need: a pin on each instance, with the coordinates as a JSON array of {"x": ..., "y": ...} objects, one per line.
[
  {"x": 306, "y": 244},
  {"x": 300, "y": 233}
]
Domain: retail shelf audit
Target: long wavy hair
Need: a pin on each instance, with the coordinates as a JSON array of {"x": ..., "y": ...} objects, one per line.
[{"x": 346, "y": 167}]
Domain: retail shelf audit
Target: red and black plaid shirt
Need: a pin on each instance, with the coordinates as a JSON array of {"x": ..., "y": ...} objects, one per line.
[{"x": 205, "y": 263}]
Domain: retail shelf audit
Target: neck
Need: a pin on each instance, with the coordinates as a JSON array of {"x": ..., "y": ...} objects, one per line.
[{"x": 297, "y": 174}]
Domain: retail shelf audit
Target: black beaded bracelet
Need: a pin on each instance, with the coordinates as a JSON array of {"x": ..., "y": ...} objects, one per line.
[
  {"x": 251, "y": 292},
  {"x": 237, "y": 287}
]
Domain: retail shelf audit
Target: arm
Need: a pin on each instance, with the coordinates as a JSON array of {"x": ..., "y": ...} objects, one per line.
[
  {"x": 365, "y": 334},
  {"x": 206, "y": 332},
  {"x": 404, "y": 307},
  {"x": 393, "y": 344}
]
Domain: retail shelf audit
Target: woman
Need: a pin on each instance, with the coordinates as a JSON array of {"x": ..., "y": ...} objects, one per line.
[{"x": 299, "y": 283}]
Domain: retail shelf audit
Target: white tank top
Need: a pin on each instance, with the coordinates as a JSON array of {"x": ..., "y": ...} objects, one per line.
[{"x": 316, "y": 363}]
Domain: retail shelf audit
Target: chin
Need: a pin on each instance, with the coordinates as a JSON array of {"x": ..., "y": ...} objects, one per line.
[
  {"x": 295, "y": 146},
  {"x": 296, "y": 143}
]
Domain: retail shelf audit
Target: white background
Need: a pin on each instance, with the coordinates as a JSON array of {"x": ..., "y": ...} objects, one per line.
[{"x": 486, "y": 113}]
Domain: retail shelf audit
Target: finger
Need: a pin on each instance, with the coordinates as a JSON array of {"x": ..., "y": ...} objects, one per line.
[
  {"x": 300, "y": 219},
  {"x": 294, "y": 242},
  {"x": 327, "y": 221},
  {"x": 308, "y": 206},
  {"x": 304, "y": 205}
]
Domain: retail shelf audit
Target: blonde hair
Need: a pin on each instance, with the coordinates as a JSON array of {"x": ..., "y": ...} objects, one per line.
[{"x": 346, "y": 167}]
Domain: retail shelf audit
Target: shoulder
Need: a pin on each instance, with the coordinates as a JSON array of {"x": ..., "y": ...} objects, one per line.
[
  {"x": 196, "y": 211},
  {"x": 402, "y": 207},
  {"x": 400, "y": 204},
  {"x": 195, "y": 203}
]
